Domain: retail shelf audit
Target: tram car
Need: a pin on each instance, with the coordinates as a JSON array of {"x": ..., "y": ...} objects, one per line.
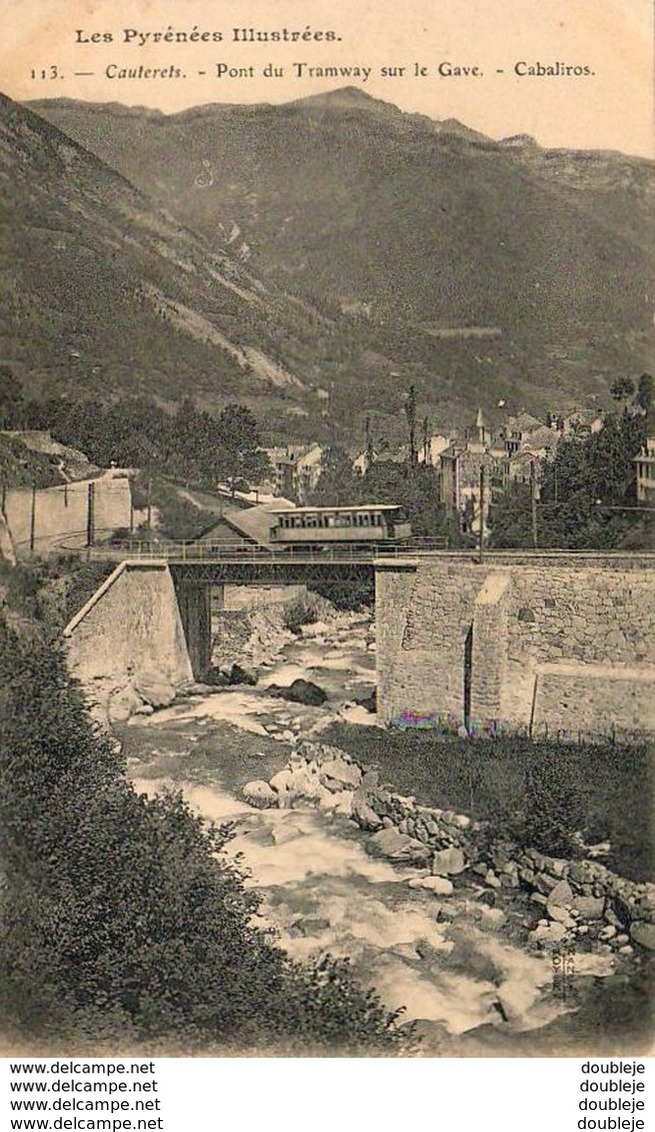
[{"x": 369, "y": 523}]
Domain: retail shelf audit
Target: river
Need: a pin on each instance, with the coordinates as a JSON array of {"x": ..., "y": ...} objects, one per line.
[{"x": 460, "y": 968}]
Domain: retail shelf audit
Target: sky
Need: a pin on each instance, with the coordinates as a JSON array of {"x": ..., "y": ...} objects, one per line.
[{"x": 610, "y": 108}]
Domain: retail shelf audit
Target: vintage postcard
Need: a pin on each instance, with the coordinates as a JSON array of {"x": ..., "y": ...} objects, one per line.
[{"x": 327, "y": 457}]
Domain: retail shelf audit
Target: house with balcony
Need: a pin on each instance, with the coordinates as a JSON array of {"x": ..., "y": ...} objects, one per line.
[{"x": 644, "y": 463}]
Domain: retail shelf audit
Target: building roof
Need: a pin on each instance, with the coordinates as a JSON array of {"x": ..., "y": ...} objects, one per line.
[
  {"x": 255, "y": 522},
  {"x": 525, "y": 422},
  {"x": 543, "y": 437},
  {"x": 353, "y": 507}
]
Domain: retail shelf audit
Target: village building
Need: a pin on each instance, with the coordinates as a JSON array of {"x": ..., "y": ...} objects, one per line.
[
  {"x": 645, "y": 471},
  {"x": 296, "y": 470}
]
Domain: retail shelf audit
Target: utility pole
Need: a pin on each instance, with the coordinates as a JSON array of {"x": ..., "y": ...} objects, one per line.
[
  {"x": 90, "y": 514},
  {"x": 33, "y": 519},
  {"x": 533, "y": 502},
  {"x": 481, "y": 533},
  {"x": 149, "y": 506}
]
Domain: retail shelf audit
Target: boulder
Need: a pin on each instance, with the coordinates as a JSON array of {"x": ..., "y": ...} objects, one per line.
[
  {"x": 369, "y": 702},
  {"x": 345, "y": 774},
  {"x": 344, "y": 804},
  {"x": 561, "y": 894},
  {"x": 439, "y": 885},
  {"x": 588, "y": 907},
  {"x": 399, "y": 847},
  {"x": 308, "y": 787},
  {"x": 122, "y": 704},
  {"x": 545, "y": 883},
  {"x": 297, "y": 781},
  {"x": 154, "y": 688},
  {"x": 548, "y": 936},
  {"x": 365, "y": 815},
  {"x": 300, "y": 692},
  {"x": 215, "y": 678},
  {"x": 238, "y": 674},
  {"x": 259, "y": 794},
  {"x": 643, "y": 934},
  {"x": 281, "y": 783},
  {"x": 448, "y": 862},
  {"x": 560, "y": 915},
  {"x": 310, "y": 926}
]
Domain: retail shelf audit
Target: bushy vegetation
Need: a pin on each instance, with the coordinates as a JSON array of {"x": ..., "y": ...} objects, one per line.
[
  {"x": 19, "y": 467},
  {"x": 553, "y": 809},
  {"x": 123, "y": 918},
  {"x": 51, "y": 590}
]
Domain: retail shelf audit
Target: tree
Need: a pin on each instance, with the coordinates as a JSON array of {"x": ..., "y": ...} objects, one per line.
[
  {"x": 410, "y": 413},
  {"x": 241, "y": 458},
  {"x": 370, "y": 450},
  {"x": 12, "y": 401},
  {"x": 644, "y": 395},
  {"x": 426, "y": 440},
  {"x": 338, "y": 483},
  {"x": 622, "y": 389},
  {"x": 510, "y": 517}
]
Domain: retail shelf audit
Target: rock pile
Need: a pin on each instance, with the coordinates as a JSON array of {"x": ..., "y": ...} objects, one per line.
[
  {"x": 577, "y": 903},
  {"x": 316, "y": 773}
]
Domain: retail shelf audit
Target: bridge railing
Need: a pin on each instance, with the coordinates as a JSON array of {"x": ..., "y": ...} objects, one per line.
[{"x": 239, "y": 551}]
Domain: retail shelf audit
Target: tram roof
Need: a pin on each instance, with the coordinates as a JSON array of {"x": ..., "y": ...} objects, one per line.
[{"x": 331, "y": 510}]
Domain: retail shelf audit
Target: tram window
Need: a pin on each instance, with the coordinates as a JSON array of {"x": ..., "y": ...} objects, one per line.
[{"x": 311, "y": 521}]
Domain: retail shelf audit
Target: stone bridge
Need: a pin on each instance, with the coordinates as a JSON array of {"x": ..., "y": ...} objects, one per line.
[{"x": 543, "y": 640}]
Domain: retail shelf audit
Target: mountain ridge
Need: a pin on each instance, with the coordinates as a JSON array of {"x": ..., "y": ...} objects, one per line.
[{"x": 374, "y": 243}]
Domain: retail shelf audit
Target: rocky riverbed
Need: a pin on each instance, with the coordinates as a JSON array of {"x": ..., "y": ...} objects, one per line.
[{"x": 456, "y": 959}]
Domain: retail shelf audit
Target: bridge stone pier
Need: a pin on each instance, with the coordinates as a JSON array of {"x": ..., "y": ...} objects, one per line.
[
  {"x": 131, "y": 623},
  {"x": 195, "y": 598},
  {"x": 544, "y": 641}
]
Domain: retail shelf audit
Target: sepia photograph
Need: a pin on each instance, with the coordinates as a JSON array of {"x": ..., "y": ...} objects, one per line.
[{"x": 327, "y": 534}]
